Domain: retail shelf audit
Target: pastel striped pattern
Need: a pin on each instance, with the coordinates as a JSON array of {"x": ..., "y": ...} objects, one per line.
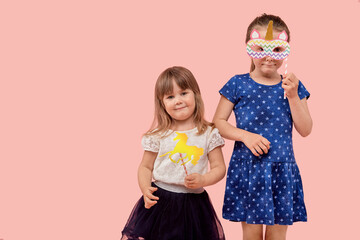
[{"x": 268, "y": 47}]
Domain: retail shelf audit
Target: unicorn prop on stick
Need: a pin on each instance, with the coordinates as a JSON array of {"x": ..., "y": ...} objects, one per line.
[
  {"x": 277, "y": 48},
  {"x": 192, "y": 153}
]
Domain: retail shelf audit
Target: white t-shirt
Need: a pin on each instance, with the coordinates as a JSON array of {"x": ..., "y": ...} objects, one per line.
[{"x": 179, "y": 149}]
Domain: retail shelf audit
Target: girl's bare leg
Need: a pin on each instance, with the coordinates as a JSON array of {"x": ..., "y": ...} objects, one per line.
[
  {"x": 276, "y": 232},
  {"x": 252, "y": 231}
]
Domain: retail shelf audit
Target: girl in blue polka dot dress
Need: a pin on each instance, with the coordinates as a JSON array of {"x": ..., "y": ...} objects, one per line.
[{"x": 263, "y": 185}]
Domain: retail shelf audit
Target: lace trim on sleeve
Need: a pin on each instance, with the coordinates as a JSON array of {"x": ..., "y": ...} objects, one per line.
[
  {"x": 150, "y": 143},
  {"x": 215, "y": 140}
]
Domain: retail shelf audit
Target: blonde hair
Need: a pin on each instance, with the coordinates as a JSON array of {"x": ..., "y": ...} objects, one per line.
[
  {"x": 164, "y": 85},
  {"x": 263, "y": 21}
]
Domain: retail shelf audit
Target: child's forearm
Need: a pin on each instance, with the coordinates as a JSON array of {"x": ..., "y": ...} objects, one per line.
[
  {"x": 217, "y": 167},
  {"x": 301, "y": 116},
  {"x": 214, "y": 175},
  {"x": 144, "y": 178},
  {"x": 145, "y": 170},
  {"x": 230, "y": 132}
]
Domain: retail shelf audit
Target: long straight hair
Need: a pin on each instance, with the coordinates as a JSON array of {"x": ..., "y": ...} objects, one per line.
[
  {"x": 263, "y": 21},
  {"x": 164, "y": 85}
]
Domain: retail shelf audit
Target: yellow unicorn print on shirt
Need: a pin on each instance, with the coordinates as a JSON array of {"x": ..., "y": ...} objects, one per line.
[{"x": 192, "y": 153}]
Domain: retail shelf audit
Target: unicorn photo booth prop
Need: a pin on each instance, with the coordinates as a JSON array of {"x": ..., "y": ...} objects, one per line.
[
  {"x": 191, "y": 153},
  {"x": 277, "y": 49}
]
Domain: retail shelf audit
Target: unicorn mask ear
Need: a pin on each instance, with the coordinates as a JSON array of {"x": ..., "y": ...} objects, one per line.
[
  {"x": 254, "y": 34},
  {"x": 283, "y": 36}
]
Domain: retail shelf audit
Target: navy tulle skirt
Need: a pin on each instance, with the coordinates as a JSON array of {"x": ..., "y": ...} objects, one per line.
[{"x": 176, "y": 216}]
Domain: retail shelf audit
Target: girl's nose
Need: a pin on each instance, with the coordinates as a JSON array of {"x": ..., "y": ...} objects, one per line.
[
  {"x": 268, "y": 58},
  {"x": 178, "y": 100}
]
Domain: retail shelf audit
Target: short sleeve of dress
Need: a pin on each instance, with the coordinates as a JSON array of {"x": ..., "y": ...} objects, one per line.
[
  {"x": 302, "y": 92},
  {"x": 150, "y": 143},
  {"x": 230, "y": 90},
  {"x": 215, "y": 140}
]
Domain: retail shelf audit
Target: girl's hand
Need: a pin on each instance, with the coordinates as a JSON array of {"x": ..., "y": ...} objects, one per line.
[
  {"x": 257, "y": 144},
  {"x": 194, "y": 181},
  {"x": 149, "y": 198},
  {"x": 290, "y": 84}
]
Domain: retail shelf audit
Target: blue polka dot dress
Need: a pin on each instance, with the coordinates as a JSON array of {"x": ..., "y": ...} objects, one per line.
[{"x": 265, "y": 189}]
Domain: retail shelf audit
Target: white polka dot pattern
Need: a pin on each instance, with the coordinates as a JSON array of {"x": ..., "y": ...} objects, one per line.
[{"x": 266, "y": 189}]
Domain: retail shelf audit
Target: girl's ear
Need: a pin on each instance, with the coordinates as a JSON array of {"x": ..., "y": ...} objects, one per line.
[
  {"x": 283, "y": 36},
  {"x": 254, "y": 34}
]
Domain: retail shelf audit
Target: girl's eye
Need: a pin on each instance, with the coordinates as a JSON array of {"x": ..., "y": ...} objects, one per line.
[
  {"x": 184, "y": 93},
  {"x": 279, "y": 49},
  {"x": 170, "y": 97},
  {"x": 257, "y": 48}
]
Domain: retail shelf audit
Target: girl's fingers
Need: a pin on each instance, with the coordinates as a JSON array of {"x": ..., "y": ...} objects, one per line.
[
  {"x": 258, "y": 145},
  {"x": 151, "y": 196},
  {"x": 189, "y": 177},
  {"x": 192, "y": 178},
  {"x": 288, "y": 75},
  {"x": 259, "y": 150},
  {"x": 152, "y": 189},
  {"x": 188, "y": 182},
  {"x": 264, "y": 148},
  {"x": 154, "y": 197},
  {"x": 290, "y": 84},
  {"x": 266, "y": 143},
  {"x": 191, "y": 181},
  {"x": 254, "y": 152},
  {"x": 150, "y": 204},
  {"x": 287, "y": 87},
  {"x": 290, "y": 80},
  {"x": 189, "y": 185},
  {"x": 285, "y": 83}
]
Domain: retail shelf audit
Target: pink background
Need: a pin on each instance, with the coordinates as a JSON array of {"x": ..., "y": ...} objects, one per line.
[{"x": 76, "y": 94}]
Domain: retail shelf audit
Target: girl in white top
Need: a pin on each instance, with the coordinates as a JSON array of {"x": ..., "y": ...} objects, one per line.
[{"x": 177, "y": 150}]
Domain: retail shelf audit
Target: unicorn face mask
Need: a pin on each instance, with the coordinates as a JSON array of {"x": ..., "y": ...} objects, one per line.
[{"x": 277, "y": 48}]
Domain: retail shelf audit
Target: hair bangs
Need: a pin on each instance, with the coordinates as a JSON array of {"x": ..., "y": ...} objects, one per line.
[{"x": 182, "y": 82}]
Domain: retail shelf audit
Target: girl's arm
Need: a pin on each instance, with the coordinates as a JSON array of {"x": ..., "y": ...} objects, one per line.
[
  {"x": 222, "y": 114},
  {"x": 299, "y": 109},
  {"x": 301, "y": 116},
  {"x": 257, "y": 144},
  {"x": 145, "y": 177},
  {"x": 216, "y": 173}
]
